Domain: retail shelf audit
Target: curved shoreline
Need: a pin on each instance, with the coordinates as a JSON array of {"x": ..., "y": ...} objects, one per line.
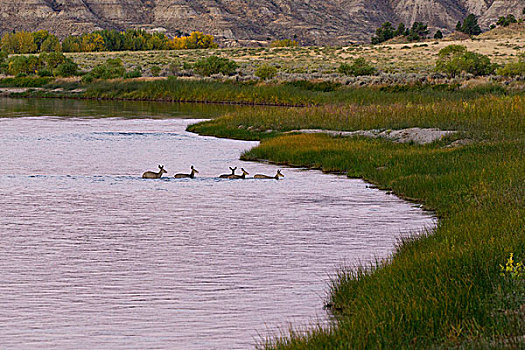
[{"x": 442, "y": 179}]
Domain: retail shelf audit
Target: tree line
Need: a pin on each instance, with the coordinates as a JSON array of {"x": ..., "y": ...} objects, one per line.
[
  {"x": 419, "y": 30},
  {"x": 103, "y": 40}
]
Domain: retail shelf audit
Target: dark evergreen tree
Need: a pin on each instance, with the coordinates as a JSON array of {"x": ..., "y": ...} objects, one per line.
[
  {"x": 438, "y": 35},
  {"x": 383, "y": 33},
  {"x": 506, "y": 21},
  {"x": 401, "y": 29},
  {"x": 470, "y": 25},
  {"x": 418, "y": 31}
]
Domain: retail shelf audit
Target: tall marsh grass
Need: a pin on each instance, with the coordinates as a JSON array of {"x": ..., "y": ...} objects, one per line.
[
  {"x": 482, "y": 117},
  {"x": 286, "y": 94}
]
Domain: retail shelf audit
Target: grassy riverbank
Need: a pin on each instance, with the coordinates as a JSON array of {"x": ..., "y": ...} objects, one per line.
[
  {"x": 297, "y": 93},
  {"x": 444, "y": 287}
]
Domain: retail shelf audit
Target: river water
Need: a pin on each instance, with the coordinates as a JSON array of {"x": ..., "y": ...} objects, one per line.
[{"x": 95, "y": 257}]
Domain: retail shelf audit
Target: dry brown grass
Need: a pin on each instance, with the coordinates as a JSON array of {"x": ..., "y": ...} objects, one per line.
[{"x": 501, "y": 45}]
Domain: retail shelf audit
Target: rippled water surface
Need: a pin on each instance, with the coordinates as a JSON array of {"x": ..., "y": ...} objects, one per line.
[{"x": 93, "y": 256}]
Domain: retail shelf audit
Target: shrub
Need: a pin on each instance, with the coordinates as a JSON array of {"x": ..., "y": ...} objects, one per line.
[
  {"x": 45, "y": 73},
  {"x": 155, "y": 71},
  {"x": 174, "y": 68},
  {"x": 88, "y": 78},
  {"x": 53, "y": 59},
  {"x": 358, "y": 68},
  {"x": 266, "y": 72},
  {"x": 438, "y": 35},
  {"x": 215, "y": 65},
  {"x": 24, "y": 65},
  {"x": 513, "y": 69},
  {"x": 113, "y": 68},
  {"x": 3, "y": 59},
  {"x": 455, "y": 59},
  {"x": 135, "y": 73},
  {"x": 67, "y": 69}
]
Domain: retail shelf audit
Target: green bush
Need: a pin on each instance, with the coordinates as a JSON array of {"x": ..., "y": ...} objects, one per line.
[
  {"x": 112, "y": 69},
  {"x": 3, "y": 64},
  {"x": 136, "y": 73},
  {"x": 513, "y": 69},
  {"x": 455, "y": 59},
  {"x": 174, "y": 68},
  {"x": 358, "y": 68},
  {"x": 88, "y": 78},
  {"x": 45, "y": 73},
  {"x": 3, "y": 56},
  {"x": 67, "y": 69},
  {"x": 215, "y": 65},
  {"x": 266, "y": 72},
  {"x": 24, "y": 65},
  {"x": 53, "y": 59},
  {"x": 155, "y": 71}
]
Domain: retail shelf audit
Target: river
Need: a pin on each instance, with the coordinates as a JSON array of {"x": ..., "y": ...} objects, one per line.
[{"x": 94, "y": 256}]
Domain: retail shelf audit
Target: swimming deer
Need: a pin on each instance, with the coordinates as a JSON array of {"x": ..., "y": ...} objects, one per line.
[
  {"x": 154, "y": 175},
  {"x": 243, "y": 176},
  {"x": 227, "y": 176},
  {"x": 276, "y": 177},
  {"x": 185, "y": 176}
]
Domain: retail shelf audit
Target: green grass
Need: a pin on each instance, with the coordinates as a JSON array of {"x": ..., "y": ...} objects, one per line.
[
  {"x": 482, "y": 117},
  {"x": 180, "y": 90},
  {"x": 23, "y": 82},
  {"x": 442, "y": 288}
]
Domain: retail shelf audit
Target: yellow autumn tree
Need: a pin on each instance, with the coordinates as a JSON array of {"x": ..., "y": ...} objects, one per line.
[
  {"x": 20, "y": 42},
  {"x": 196, "y": 40},
  {"x": 92, "y": 42}
]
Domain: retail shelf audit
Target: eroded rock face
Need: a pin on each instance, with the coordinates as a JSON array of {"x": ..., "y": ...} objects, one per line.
[{"x": 311, "y": 21}]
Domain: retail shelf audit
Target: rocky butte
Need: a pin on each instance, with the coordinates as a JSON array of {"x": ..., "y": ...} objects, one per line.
[{"x": 321, "y": 22}]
